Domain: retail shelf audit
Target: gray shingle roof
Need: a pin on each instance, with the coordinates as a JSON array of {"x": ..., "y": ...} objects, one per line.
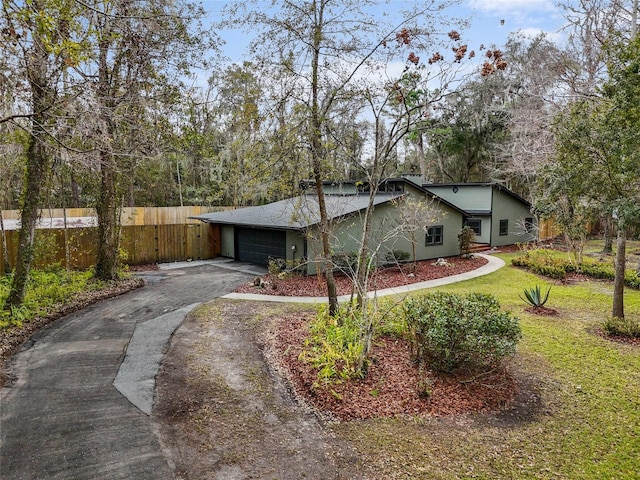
[{"x": 296, "y": 213}]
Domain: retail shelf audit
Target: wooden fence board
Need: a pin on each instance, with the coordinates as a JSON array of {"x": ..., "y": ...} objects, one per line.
[
  {"x": 131, "y": 215},
  {"x": 143, "y": 244}
]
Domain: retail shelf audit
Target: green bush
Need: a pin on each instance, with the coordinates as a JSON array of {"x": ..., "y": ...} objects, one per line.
[
  {"x": 598, "y": 270},
  {"x": 334, "y": 346},
  {"x": 545, "y": 262},
  {"x": 623, "y": 327},
  {"x": 466, "y": 237},
  {"x": 397, "y": 256},
  {"x": 449, "y": 332},
  {"x": 632, "y": 279},
  {"x": 45, "y": 290},
  {"x": 345, "y": 262}
]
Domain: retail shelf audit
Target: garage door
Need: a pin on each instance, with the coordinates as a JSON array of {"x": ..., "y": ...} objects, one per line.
[{"x": 257, "y": 246}]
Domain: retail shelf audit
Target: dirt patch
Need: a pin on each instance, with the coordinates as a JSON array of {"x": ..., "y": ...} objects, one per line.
[
  {"x": 315, "y": 286},
  {"x": 225, "y": 414},
  {"x": 147, "y": 267},
  {"x": 543, "y": 311},
  {"x": 634, "y": 341}
]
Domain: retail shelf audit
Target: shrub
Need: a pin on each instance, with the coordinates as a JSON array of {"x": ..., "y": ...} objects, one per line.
[
  {"x": 534, "y": 296},
  {"x": 465, "y": 238},
  {"x": 598, "y": 270},
  {"x": 449, "y": 332},
  {"x": 632, "y": 279},
  {"x": 46, "y": 289},
  {"x": 334, "y": 346},
  {"x": 623, "y": 327},
  {"x": 543, "y": 262},
  {"x": 397, "y": 256},
  {"x": 345, "y": 262}
]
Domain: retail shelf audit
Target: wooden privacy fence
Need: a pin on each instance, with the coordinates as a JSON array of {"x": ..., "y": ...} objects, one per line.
[
  {"x": 548, "y": 229},
  {"x": 139, "y": 244},
  {"x": 129, "y": 215}
]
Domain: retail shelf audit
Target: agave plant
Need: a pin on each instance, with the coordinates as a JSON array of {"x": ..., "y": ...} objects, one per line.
[{"x": 534, "y": 296}]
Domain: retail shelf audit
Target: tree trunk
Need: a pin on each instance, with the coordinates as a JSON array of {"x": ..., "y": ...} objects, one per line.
[
  {"x": 332, "y": 291},
  {"x": 75, "y": 191},
  {"x": 317, "y": 161},
  {"x": 425, "y": 168},
  {"x": 106, "y": 210},
  {"x": 618, "y": 283},
  {"x": 607, "y": 222},
  {"x": 37, "y": 170},
  {"x": 107, "y": 213},
  {"x": 6, "y": 266}
]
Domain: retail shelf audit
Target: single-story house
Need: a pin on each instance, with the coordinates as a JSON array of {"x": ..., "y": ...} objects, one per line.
[
  {"x": 497, "y": 215},
  {"x": 406, "y": 217}
]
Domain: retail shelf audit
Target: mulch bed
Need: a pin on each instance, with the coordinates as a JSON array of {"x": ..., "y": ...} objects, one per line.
[
  {"x": 391, "y": 386},
  {"x": 315, "y": 286},
  {"x": 634, "y": 341},
  {"x": 544, "y": 311}
]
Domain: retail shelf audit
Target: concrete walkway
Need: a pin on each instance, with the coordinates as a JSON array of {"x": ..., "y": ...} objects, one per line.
[{"x": 494, "y": 263}]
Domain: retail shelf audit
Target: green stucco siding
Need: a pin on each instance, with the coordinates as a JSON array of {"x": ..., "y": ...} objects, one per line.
[
  {"x": 466, "y": 197},
  {"x": 485, "y": 228},
  {"x": 347, "y": 235},
  {"x": 294, "y": 239},
  {"x": 506, "y": 207}
]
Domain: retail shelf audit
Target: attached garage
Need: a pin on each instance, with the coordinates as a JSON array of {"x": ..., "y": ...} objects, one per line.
[
  {"x": 288, "y": 229},
  {"x": 254, "y": 245}
]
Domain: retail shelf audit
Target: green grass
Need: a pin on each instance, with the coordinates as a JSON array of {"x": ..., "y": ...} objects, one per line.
[
  {"x": 45, "y": 291},
  {"x": 586, "y": 424}
]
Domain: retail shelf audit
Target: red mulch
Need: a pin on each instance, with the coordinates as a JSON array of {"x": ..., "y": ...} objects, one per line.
[
  {"x": 547, "y": 312},
  {"x": 634, "y": 341},
  {"x": 391, "y": 386},
  {"x": 315, "y": 286}
]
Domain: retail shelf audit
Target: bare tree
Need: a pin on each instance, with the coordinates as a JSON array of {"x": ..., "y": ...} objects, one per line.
[
  {"x": 326, "y": 48},
  {"x": 41, "y": 36},
  {"x": 138, "y": 49}
]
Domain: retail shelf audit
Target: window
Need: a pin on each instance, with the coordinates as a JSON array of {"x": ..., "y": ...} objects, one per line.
[
  {"x": 391, "y": 187},
  {"x": 435, "y": 235},
  {"x": 475, "y": 224},
  {"x": 528, "y": 224},
  {"x": 504, "y": 227}
]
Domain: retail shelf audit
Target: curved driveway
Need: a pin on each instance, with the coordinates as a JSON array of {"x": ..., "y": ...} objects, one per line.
[
  {"x": 83, "y": 387},
  {"x": 62, "y": 418}
]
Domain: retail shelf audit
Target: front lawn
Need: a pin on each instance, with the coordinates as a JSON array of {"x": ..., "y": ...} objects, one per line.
[{"x": 579, "y": 411}]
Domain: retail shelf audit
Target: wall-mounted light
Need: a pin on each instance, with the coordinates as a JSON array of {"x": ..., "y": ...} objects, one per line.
[{"x": 293, "y": 248}]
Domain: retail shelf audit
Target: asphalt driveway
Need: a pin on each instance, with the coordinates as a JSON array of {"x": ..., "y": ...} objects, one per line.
[{"x": 65, "y": 415}]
